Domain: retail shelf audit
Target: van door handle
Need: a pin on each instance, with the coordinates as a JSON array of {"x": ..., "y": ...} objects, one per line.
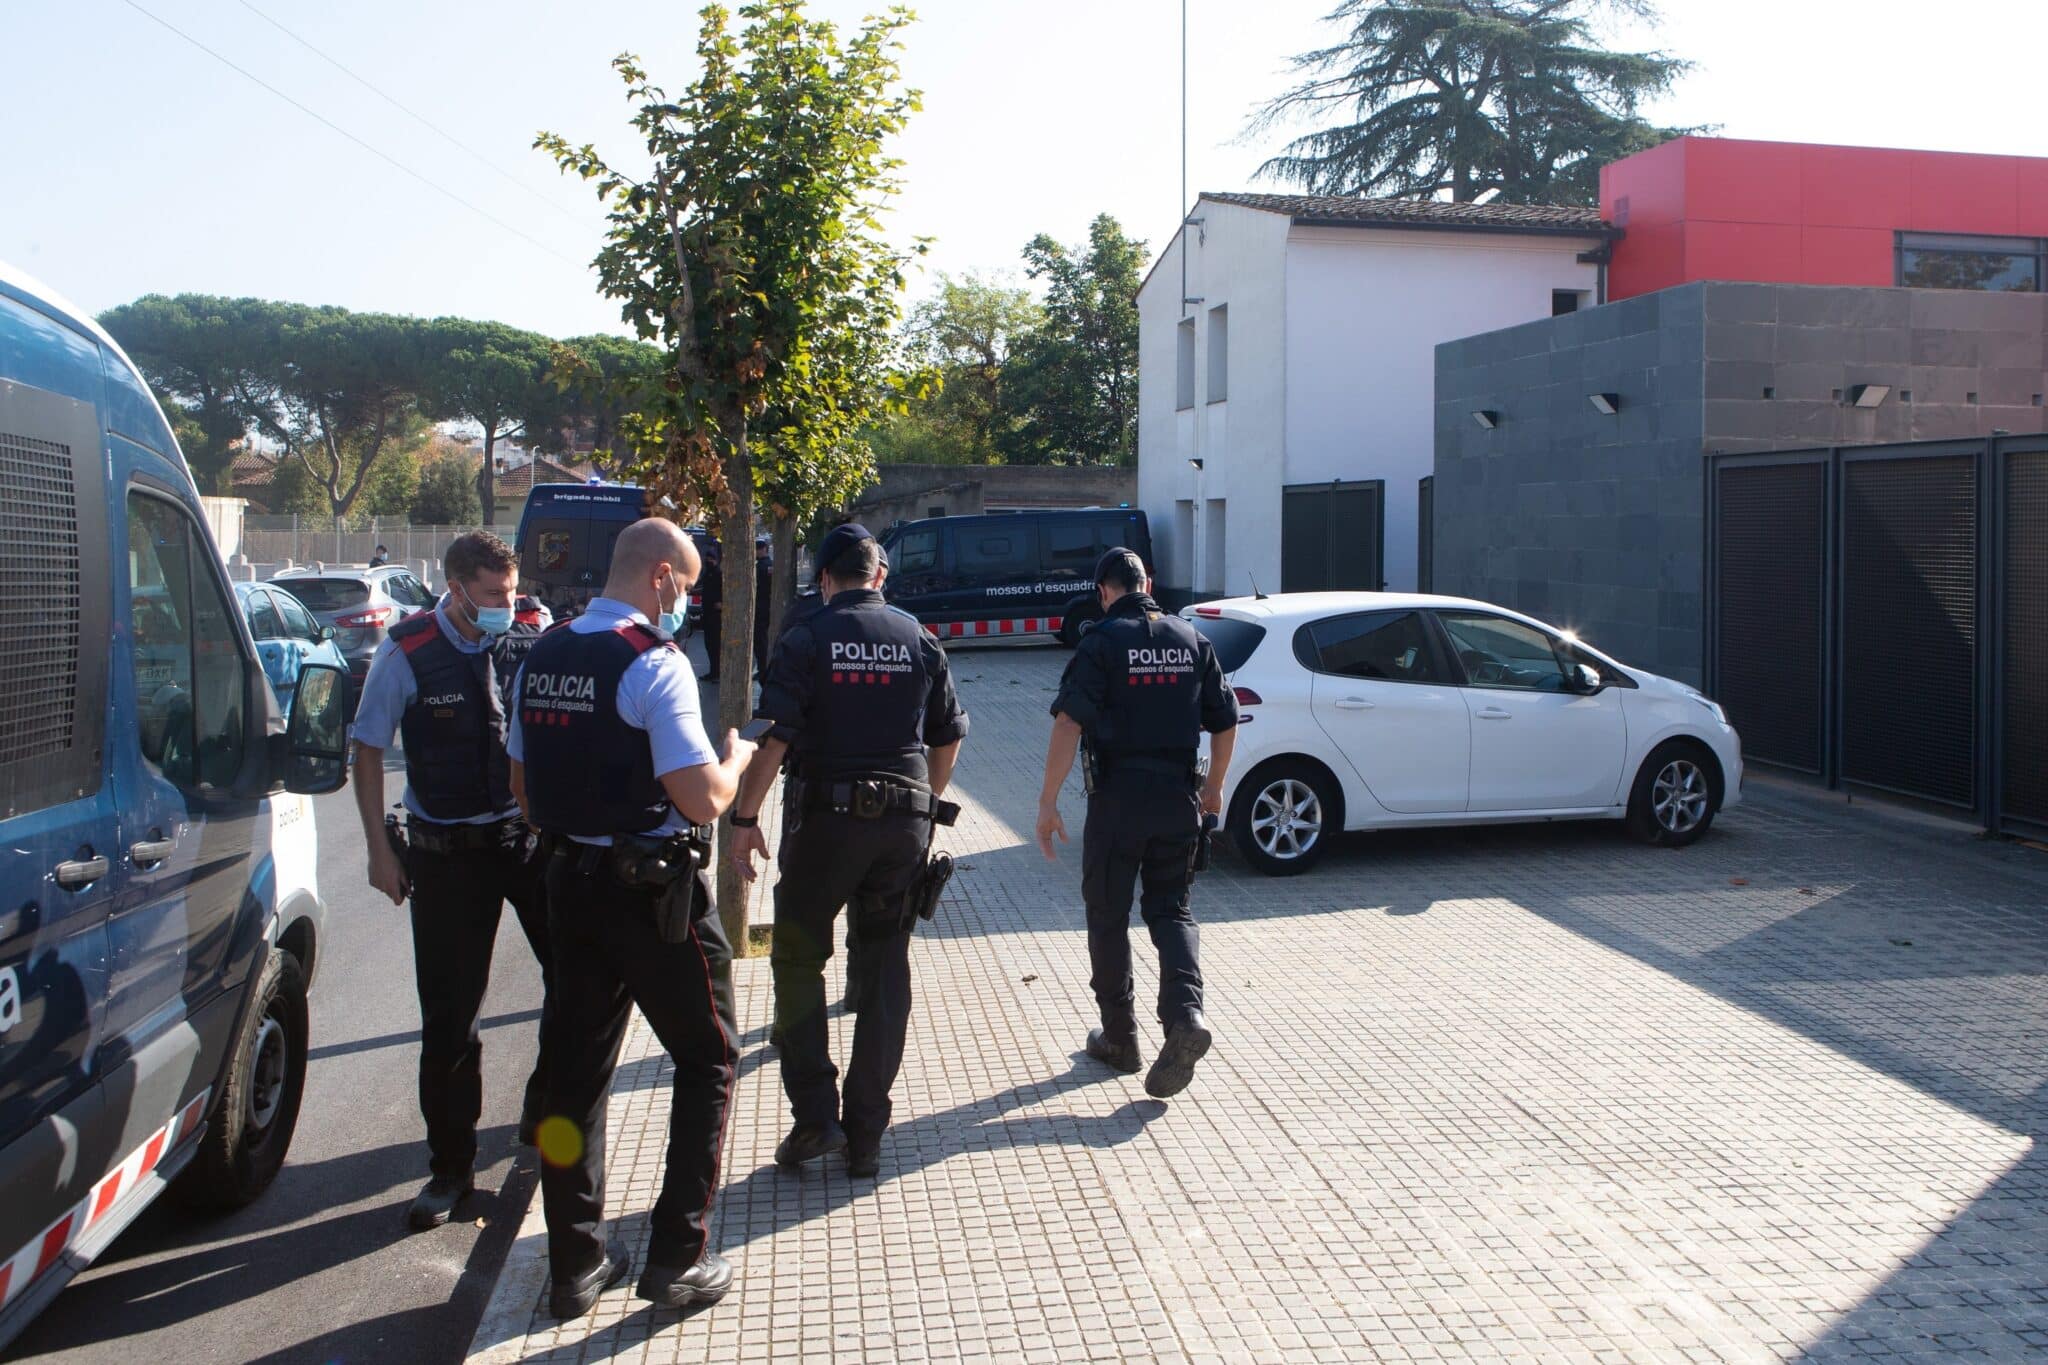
[
  {"x": 1495, "y": 713},
  {"x": 149, "y": 852},
  {"x": 81, "y": 872},
  {"x": 1353, "y": 704}
]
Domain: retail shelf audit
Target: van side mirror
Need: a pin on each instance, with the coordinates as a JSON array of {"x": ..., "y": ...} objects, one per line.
[{"x": 316, "y": 738}]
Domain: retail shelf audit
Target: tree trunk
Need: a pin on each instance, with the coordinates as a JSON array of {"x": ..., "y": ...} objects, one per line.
[
  {"x": 486, "y": 478},
  {"x": 782, "y": 588},
  {"x": 735, "y": 651}
]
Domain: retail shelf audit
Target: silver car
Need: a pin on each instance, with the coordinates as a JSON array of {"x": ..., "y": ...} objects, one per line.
[{"x": 360, "y": 604}]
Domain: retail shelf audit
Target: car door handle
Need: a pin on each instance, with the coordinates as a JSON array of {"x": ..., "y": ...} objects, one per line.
[
  {"x": 81, "y": 872},
  {"x": 149, "y": 852},
  {"x": 1353, "y": 704},
  {"x": 1494, "y": 713}
]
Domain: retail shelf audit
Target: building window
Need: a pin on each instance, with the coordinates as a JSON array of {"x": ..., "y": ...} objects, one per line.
[
  {"x": 1219, "y": 353},
  {"x": 1184, "y": 365},
  {"x": 1212, "y": 546},
  {"x": 1564, "y": 301},
  {"x": 2000, "y": 264}
]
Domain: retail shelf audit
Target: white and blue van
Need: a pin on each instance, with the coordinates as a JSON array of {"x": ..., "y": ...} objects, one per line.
[{"x": 159, "y": 917}]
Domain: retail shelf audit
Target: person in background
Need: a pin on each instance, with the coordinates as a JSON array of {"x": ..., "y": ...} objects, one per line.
[{"x": 382, "y": 557}]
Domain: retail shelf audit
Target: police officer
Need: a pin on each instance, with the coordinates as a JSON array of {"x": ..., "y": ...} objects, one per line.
[
  {"x": 858, "y": 692},
  {"x": 711, "y": 588},
  {"x": 442, "y": 679},
  {"x": 612, "y": 765},
  {"x": 1140, "y": 688},
  {"x": 764, "y": 591}
]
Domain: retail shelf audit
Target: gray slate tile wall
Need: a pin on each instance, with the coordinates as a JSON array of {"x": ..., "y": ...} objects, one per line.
[{"x": 1596, "y": 522}]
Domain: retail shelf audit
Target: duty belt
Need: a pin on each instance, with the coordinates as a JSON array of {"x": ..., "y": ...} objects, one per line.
[
  {"x": 1113, "y": 765},
  {"x": 437, "y": 838},
  {"x": 869, "y": 798}
]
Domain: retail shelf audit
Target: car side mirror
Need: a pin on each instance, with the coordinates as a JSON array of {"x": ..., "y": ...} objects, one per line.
[
  {"x": 324, "y": 634},
  {"x": 316, "y": 737},
  {"x": 1582, "y": 678}
]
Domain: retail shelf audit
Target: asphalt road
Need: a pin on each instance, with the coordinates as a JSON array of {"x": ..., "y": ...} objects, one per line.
[{"x": 322, "y": 1268}]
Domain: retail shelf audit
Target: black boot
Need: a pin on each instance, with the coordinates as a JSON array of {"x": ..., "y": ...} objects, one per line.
[
  {"x": 687, "y": 1286},
  {"x": 1120, "y": 1054},
  {"x": 436, "y": 1203},
  {"x": 808, "y": 1141},
  {"x": 1186, "y": 1044},
  {"x": 574, "y": 1298},
  {"x": 863, "y": 1155}
]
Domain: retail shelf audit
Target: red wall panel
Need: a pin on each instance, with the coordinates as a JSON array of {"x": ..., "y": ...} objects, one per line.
[{"x": 1778, "y": 212}]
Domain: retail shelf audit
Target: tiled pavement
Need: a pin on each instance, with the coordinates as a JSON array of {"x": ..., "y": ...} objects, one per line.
[{"x": 1476, "y": 1094}]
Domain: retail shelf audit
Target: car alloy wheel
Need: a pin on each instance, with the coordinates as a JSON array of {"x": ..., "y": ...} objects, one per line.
[
  {"x": 1287, "y": 818},
  {"x": 1679, "y": 796}
]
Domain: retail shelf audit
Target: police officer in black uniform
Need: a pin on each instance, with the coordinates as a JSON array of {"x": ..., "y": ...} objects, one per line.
[
  {"x": 611, "y": 763},
  {"x": 441, "y": 680},
  {"x": 859, "y": 692},
  {"x": 1140, "y": 689}
]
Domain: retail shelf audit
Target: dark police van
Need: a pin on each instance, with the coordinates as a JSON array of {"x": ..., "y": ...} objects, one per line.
[
  {"x": 1008, "y": 574},
  {"x": 565, "y": 536},
  {"x": 159, "y": 917}
]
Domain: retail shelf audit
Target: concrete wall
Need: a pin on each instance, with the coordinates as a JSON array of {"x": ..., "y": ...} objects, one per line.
[
  {"x": 963, "y": 498},
  {"x": 1597, "y": 523},
  {"x": 1365, "y": 310}
]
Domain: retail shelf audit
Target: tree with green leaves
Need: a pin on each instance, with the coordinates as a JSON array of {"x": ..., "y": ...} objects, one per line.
[
  {"x": 1454, "y": 98},
  {"x": 446, "y": 494},
  {"x": 965, "y": 335},
  {"x": 204, "y": 355},
  {"x": 498, "y": 378},
  {"x": 1072, "y": 383},
  {"x": 600, "y": 379},
  {"x": 748, "y": 251}
]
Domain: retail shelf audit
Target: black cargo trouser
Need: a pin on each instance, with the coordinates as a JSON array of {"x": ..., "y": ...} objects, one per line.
[
  {"x": 1141, "y": 833},
  {"x": 832, "y": 860},
  {"x": 610, "y": 956},
  {"x": 456, "y": 902}
]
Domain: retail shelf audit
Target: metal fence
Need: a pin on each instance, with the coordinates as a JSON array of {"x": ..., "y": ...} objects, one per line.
[
  {"x": 305, "y": 540},
  {"x": 1875, "y": 617}
]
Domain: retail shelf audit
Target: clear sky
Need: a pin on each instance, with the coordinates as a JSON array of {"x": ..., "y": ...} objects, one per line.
[{"x": 135, "y": 163}]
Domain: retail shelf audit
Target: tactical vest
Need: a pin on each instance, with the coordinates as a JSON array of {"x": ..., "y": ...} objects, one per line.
[
  {"x": 454, "y": 730},
  {"x": 1154, "y": 665},
  {"x": 587, "y": 772},
  {"x": 869, "y": 684}
]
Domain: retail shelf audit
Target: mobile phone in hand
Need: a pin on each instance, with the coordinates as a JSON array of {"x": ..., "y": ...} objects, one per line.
[{"x": 756, "y": 730}]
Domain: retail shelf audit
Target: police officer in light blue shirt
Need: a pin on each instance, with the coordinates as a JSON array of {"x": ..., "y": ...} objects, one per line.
[
  {"x": 441, "y": 680},
  {"x": 612, "y": 765}
]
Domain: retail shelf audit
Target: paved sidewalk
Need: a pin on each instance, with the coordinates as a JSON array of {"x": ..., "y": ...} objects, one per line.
[{"x": 1527, "y": 1093}]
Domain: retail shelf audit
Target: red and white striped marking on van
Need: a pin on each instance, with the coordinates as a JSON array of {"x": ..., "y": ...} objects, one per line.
[
  {"x": 1015, "y": 625},
  {"x": 30, "y": 1263}
]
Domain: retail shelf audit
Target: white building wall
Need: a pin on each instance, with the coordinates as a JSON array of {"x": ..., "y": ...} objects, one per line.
[
  {"x": 1214, "y": 528},
  {"x": 1365, "y": 309}
]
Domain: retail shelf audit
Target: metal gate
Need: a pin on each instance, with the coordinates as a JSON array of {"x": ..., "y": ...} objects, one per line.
[
  {"x": 1878, "y": 615},
  {"x": 1330, "y": 537}
]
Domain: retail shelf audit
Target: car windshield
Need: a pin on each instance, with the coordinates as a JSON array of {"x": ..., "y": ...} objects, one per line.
[
  {"x": 329, "y": 594},
  {"x": 1234, "y": 640}
]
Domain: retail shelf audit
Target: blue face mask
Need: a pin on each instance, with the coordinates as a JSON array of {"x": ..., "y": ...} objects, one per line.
[
  {"x": 677, "y": 622},
  {"x": 489, "y": 620}
]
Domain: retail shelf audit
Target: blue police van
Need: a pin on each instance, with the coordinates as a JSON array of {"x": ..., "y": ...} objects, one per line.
[
  {"x": 159, "y": 914},
  {"x": 1014, "y": 575}
]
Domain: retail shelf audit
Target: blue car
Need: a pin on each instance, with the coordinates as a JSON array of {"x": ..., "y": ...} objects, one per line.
[
  {"x": 159, "y": 906},
  {"x": 287, "y": 637}
]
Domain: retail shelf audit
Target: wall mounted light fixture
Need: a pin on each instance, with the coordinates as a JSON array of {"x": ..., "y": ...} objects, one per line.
[
  {"x": 1605, "y": 403},
  {"x": 1195, "y": 463},
  {"x": 1486, "y": 417}
]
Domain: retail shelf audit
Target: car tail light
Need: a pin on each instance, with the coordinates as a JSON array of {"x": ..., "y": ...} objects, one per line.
[
  {"x": 375, "y": 616},
  {"x": 1246, "y": 697}
]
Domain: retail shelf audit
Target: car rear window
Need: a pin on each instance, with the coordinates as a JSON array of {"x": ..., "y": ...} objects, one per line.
[
  {"x": 1233, "y": 640},
  {"x": 329, "y": 594}
]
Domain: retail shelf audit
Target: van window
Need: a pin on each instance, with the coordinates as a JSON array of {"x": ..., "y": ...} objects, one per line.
[
  {"x": 916, "y": 552},
  {"x": 1072, "y": 545},
  {"x": 190, "y": 678},
  {"x": 992, "y": 549}
]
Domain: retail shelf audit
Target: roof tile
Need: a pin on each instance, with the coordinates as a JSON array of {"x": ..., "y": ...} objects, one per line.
[{"x": 1431, "y": 213}]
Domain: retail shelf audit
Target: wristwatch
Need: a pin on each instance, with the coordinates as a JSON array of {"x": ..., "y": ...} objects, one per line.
[{"x": 745, "y": 821}]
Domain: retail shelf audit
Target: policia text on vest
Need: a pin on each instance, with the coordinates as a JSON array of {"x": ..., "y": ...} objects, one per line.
[
  {"x": 611, "y": 764},
  {"x": 441, "y": 681},
  {"x": 862, "y": 700},
  {"x": 1137, "y": 695}
]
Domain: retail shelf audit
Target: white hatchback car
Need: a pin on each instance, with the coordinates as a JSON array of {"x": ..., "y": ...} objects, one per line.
[{"x": 1377, "y": 710}]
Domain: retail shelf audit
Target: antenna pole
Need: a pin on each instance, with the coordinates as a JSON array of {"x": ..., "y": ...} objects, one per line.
[{"x": 1183, "y": 209}]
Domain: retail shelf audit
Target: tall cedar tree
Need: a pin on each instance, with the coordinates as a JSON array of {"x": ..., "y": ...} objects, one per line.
[
  {"x": 752, "y": 254},
  {"x": 1452, "y": 98},
  {"x": 1072, "y": 383}
]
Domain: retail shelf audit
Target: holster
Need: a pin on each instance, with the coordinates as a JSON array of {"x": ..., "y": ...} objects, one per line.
[
  {"x": 673, "y": 867},
  {"x": 1091, "y": 768},
  {"x": 922, "y": 900},
  {"x": 1204, "y": 844},
  {"x": 394, "y": 834}
]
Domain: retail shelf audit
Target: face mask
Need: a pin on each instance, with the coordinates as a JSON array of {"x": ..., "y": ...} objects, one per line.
[
  {"x": 676, "y": 622},
  {"x": 489, "y": 620}
]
